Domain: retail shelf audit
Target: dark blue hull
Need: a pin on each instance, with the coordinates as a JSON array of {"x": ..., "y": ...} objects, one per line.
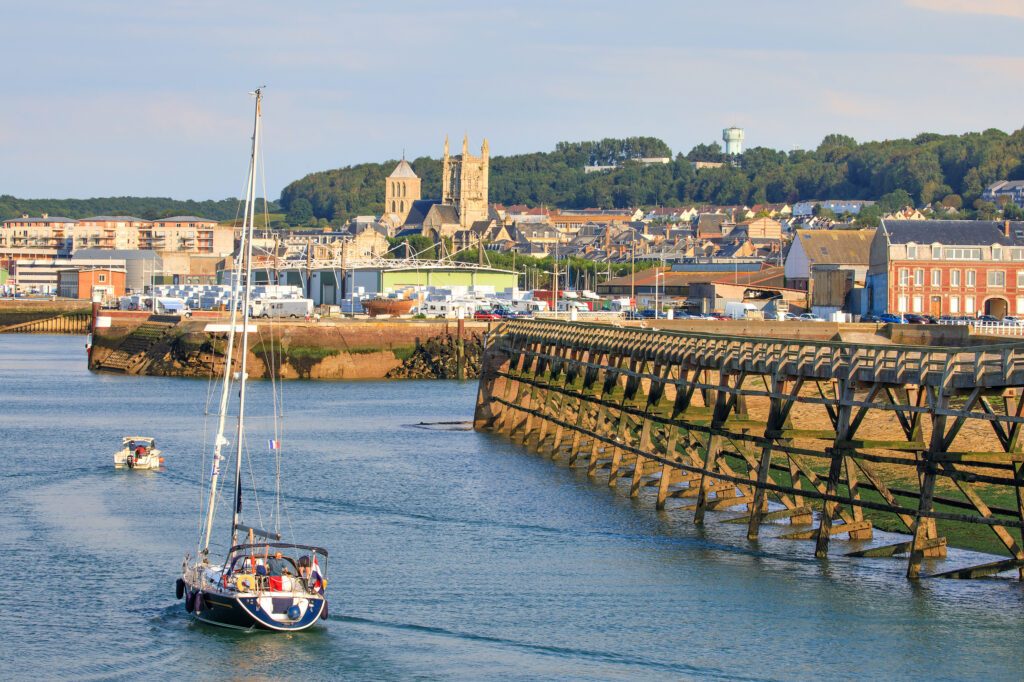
[{"x": 247, "y": 613}]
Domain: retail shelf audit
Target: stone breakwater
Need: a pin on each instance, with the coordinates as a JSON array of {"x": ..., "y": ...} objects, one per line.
[{"x": 346, "y": 349}]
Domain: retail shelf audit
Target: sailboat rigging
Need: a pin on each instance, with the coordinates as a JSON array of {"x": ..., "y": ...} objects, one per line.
[{"x": 262, "y": 583}]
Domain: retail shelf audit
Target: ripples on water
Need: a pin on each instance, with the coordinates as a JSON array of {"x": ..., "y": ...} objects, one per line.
[{"x": 453, "y": 555}]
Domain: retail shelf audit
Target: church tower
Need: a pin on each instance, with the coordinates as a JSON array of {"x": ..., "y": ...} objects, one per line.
[
  {"x": 401, "y": 188},
  {"x": 464, "y": 182}
]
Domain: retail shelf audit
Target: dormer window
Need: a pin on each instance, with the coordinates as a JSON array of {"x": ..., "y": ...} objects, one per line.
[
  {"x": 997, "y": 252},
  {"x": 912, "y": 251},
  {"x": 936, "y": 252}
]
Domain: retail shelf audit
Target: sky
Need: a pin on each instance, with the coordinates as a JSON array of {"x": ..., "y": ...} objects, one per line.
[{"x": 117, "y": 98}]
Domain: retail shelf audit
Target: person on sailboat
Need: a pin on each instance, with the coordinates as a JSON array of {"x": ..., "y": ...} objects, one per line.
[{"x": 277, "y": 565}]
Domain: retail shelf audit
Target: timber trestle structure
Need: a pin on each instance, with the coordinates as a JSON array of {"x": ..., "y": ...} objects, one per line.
[
  {"x": 65, "y": 323},
  {"x": 731, "y": 423}
]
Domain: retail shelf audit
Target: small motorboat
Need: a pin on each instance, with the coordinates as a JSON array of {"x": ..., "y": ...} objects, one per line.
[{"x": 138, "y": 452}]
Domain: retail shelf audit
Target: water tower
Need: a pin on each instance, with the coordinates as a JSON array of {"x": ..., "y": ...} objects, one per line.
[{"x": 733, "y": 138}]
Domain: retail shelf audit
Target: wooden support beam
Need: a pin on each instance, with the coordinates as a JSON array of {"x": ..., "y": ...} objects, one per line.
[
  {"x": 982, "y": 570},
  {"x": 832, "y": 529},
  {"x": 932, "y": 547}
]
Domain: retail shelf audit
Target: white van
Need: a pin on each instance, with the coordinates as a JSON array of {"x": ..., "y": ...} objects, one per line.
[
  {"x": 736, "y": 310},
  {"x": 282, "y": 307}
]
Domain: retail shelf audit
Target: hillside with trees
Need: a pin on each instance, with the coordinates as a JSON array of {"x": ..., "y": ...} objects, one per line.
[
  {"x": 148, "y": 208},
  {"x": 949, "y": 169}
]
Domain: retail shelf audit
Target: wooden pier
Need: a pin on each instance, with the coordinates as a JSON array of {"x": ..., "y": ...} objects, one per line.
[
  {"x": 64, "y": 323},
  {"x": 823, "y": 435}
]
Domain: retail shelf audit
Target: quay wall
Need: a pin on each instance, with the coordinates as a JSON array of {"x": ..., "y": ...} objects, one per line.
[{"x": 140, "y": 344}]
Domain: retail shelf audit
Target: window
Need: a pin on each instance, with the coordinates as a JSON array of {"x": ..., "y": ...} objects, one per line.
[
  {"x": 1020, "y": 279},
  {"x": 996, "y": 278},
  {"x": 103, "y": 278},
  {"x": 901, "y": 304},
  {"x": 1017, "y": 254},
  {"x": 954, "y": 278},
  {"x": 916, "y": 304},
  {"x": 997, "y": 253},
  {"x": 1020, "y": 305},
  {"x": 911, "y": 251},
  {"x": 919, "y": 277},
  {"x": 961, "y": 254},
  {"x": 971, "y": 278},
  {"x": 969, "y": 305},
  {"x": 936, "y": 278},
  {"x": 936, "y": 252},
  {"x": 954, "y": 304},
  {"x": 904, "y": 277}
]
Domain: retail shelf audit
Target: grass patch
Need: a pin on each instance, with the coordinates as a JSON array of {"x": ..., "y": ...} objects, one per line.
[{"x": 972, "y": 536}]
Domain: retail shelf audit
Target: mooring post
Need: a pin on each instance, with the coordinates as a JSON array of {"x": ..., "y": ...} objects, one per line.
[{"x": 460, "y": 361}]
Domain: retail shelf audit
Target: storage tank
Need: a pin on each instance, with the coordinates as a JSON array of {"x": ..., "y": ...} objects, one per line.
[{"x": 733, "y": 138}]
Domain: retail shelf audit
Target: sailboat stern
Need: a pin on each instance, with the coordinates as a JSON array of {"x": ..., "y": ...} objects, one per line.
[{"x": 284, "y": 612}]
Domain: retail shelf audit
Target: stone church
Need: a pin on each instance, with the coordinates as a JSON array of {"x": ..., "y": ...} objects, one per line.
[{"x": 463, "y": 208}]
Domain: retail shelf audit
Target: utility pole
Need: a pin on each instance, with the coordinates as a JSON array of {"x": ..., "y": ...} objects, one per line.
[
  {"x": 632, "y": 275},
  {"x": 554, "y": 295},
  {"x": 309, "y": 266}
]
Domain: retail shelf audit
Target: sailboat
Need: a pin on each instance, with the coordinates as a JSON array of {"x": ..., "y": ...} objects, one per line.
[{"x": 261, "y": 582}]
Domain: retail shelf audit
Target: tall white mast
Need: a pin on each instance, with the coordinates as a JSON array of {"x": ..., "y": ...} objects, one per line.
[
  {"x": 220, "y": 441},
  {"x": 250, "y": 204}
]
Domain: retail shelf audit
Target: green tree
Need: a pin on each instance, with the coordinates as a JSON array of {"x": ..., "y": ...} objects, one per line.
[
  {"x": 895, "y": 200},
  {"x": 952, "y": 201},
  {"x": 300, "y": 212}
]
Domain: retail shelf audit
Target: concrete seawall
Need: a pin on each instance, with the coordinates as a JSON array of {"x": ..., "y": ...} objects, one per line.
[{"x": 342, "y": 349}]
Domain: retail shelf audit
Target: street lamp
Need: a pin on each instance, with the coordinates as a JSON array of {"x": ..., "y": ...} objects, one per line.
[{"x": 657, "y": 274}]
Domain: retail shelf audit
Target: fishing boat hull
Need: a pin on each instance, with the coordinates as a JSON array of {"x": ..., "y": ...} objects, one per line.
[
  {"x": 254, "y": 612},
  {"x": 377, "y": 307}
]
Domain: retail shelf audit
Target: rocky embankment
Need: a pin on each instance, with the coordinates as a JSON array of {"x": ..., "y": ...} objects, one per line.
[
  {"x": 438, "y": 358},
  {"x": 294, "y": 350}
]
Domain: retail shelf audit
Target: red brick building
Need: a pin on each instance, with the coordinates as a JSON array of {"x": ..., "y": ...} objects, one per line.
[{"x": 947, "y": 267}]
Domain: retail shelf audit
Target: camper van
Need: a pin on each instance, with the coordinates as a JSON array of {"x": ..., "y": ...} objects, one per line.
[
  {"x": 450, "y": 308},
  {"x": 529, "y": 306},
  {"x": 735, "y": 310},
  {"x": 172, "y": 306},
  {"x": 281, "y": 307}
]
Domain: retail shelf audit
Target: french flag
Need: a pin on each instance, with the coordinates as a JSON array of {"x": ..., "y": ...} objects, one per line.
[
  {"x": 316, "y": 580},
  {"x": 274, "y": 444}
]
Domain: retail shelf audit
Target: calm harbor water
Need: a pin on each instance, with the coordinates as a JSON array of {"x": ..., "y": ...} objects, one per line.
[{"x": 453, "y": 555}]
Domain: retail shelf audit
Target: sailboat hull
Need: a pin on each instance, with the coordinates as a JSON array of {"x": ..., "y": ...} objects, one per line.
[{"x": 255, "y": 612}]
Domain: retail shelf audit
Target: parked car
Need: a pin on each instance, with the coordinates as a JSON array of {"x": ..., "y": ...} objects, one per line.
[
  {"x": 916, "y": 319},
  {"x": 486, "y": 315},
  {"x": 634, "y": 315},
  {"x": 810, "y": 317},
  {"x": 506, "y": 313},
  {"x": 889, "y": 318},
  {"x": 986, "y": 318},
  {"x": 792, "y": 316},
  {"x": 1010, "y": 319},
  {"x": 869, "y": 318}
]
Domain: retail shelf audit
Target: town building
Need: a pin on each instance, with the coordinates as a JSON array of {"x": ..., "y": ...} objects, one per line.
[
  {"x": 187, "y": 233},
  {"x": 401, "y": 189},
  {"x": 83, "y": 283},
  {"x": 805, "y": 209},
  {"x": 947, "y": 267},
  {"x": 845, "y": 249},
  {"x": 1011, "y": 190},
  {"x": 464, "y": 181}
]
